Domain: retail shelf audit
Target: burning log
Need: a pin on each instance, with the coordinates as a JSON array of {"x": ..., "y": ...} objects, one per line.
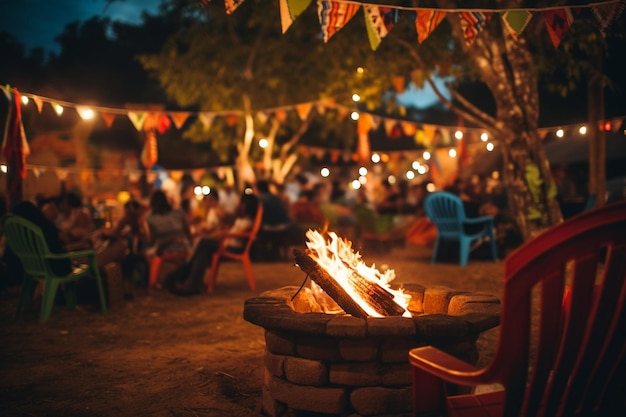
[{"x": 381, "y": 300}]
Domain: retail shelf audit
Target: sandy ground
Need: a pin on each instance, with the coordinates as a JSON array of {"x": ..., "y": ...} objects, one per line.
[{"x": 164, "y": 355}]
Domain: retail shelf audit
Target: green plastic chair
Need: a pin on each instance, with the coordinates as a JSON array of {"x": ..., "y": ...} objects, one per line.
[{"x": 29, "y": 244}]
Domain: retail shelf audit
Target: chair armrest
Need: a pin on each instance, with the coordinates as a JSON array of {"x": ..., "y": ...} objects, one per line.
[
  {"x": 72, "y": 255},
  {"x": 446, "y": 367},
  {"x": 477, "y": 220}
]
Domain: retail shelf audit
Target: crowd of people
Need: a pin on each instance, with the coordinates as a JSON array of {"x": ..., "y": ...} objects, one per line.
[{"x": 163, "y": 224}]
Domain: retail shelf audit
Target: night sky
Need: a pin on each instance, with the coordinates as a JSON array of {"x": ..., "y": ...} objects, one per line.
[{"x": 37, "y": 22}]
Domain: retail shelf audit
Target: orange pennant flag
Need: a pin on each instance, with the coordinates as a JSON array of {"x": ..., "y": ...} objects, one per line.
[
  {"x": 38, "y": 102},
  {"x": 303, "y": 110},
  {"x": 426, "y": 21},
  {"x": 179, "y": 118},
  {"x": 108, "y": 118}
]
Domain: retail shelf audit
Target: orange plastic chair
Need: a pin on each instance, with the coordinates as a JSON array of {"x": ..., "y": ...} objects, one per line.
[
  {"x": 157, "y": 261},
  {"x": 577, "y": 364},
  {"x": 244, "y": 256}
]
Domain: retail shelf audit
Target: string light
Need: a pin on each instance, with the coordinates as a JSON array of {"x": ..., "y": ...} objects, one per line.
[
  {"x": 263, "y": 143},
  {"x": 85, "y": 113},
  {"x": 426, "y": 155},
  {"x": 354, "y": 115},
  {"x": 583, "y": 130},
  {"x": 375, "y": 158},
  {"x": 490, "y": 146},
  {"x": 58, "y": 109},
  {"x": 356, "y": 98},
  {"x": 484, "y": 137},
  {"x": 362, "y": 171},
  {"x": 560, "y": 133},
  {"x": 452, "y": 152},
  {"x": 325, "y": 172},
  {"x": 458, "y": 135}
]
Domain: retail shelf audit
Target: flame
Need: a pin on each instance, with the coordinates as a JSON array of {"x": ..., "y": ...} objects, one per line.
[{"x": 336, "y": 256}]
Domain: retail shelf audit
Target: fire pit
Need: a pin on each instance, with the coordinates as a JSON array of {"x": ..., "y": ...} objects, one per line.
[{"x": 322, "y": 364}]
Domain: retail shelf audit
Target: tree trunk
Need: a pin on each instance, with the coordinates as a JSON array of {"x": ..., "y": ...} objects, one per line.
[
  {"x": 244, "y": 167},
  {"x": 503, "y": 64}
]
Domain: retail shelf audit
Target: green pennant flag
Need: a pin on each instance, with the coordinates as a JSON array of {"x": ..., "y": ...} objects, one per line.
[
  {"x": 290, "y": 10},
  {"x": 516, "y": 21}
]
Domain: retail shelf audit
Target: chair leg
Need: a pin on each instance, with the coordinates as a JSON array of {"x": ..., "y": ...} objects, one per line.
[
  {"x": 155, "y": 266},
  {"x": 215, "y": 266},
  {"x": 103, "y": 303},
  {"x": 26, "y": 294},
  {"x": 434, "y": 257},
  {"x": 47, "y": 300},
  {"x": 69, "y": 292},
  {"x": 247, "y": 265},
  {"x": 464, "y": 247}
]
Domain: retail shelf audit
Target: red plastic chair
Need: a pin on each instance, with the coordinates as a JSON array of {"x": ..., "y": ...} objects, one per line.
[
  {"x": 157, "y": 261},
  {"x": 244, "y": 257},
  {"x": 577, "y": 364}
]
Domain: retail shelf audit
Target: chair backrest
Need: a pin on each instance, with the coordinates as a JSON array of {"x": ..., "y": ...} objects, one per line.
[
  {"x": 27, "y": 241},
  {"x": 446, "y": 211},
  {"x": 256, "y": 226},
  {"x": 578, "y": 362}
]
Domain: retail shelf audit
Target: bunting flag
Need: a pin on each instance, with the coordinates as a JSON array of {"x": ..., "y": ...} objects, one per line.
[
  {"x": 472, "y": 23},
  {"x": 558, "y": 22},
  {"x": 231, "y": 5},
  {"x": 137, "y": 118},
  {"x": 108, "y": 118},
  {"x": 164, "y": 123},
  {"x": 281, "y": 116},
  {"x": 334, "y": 15},
  {"x": 290, "y": 10},
  {"x": 364, "y": 124},
  {"x": 426, "y": 21},
  {"x": 38, "y": 103},
  {"x": 206, "y": 119},
  {"x": 379, "y": 21},
  {"x": 14, "y": 144},
  {"x": 150, "y": 152},
  {"x": 409, "y": 128},
  {"x": 363, "y": 149},
  {"x": 303, "y": 110},
  {"x": 606, "y": 14},
  {"x": 516, "y": 21},
  {"x": 389, "y": 125},
  {"x": 179, "y": 118},
  {"x": 399, "y": 83}
]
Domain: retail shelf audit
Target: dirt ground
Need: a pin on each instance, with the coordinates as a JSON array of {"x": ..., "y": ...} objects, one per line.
[{"x": 165, "y": 355}]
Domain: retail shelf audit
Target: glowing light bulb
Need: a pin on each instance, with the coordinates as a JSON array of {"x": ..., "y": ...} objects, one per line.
[
  {"x": 354, "y": 115},
  {"x": 355, "y": 184},
  {"x": 375, "y": 158},
  {"x": 426, "y": 155},
  {"x": 356, "y": 97},
  {"x": 560, "y": 133},
  {"x": 484, "y": 137},
  {"x": 410, "y": 175},
  {"x": 197, "y": 190},
  {"x": 85, "y": 113},
  {"x": 58, "y": 109},
  {"x": 415, "y": 165},
  {"x": 490, "y": 146},
  {"x": 452, "y": 153},
  {"x": 24, "y": 100},
  {"x": 458, "y": 135},
  {"x": 263, "y": 143},
  {"x": 206, "y": 190},
  {"x": 362, "y": 171},
  {"x": 325, "y": 172},
  {"x": 583, "y": 130}
]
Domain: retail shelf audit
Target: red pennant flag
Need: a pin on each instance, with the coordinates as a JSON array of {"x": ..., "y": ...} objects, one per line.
[
  {"x": 334, "y": 15},
  {"x": 426, "y": 21},
  {"x": 558, "y": 22},
  {"x": 231, "y": 5},
  {"x": 179, "y": 118},
  {"x": 108, "y": 118},
  {"x": 303, "y": 110},
  {"x": 472, "y": 23}
]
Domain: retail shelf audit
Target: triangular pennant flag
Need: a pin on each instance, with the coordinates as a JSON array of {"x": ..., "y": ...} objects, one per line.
[
  {"x": 303, "y": 110},
  {"x": 281, "y": 116},
  {"x": 231, "y": 119},
  {"x": 290, "y": 10},
  {"x": 558, "y": 22},
  {"x": 231, "y": 5},
  {"x": 137, "y": 118},
  {"x": 389, "y": 124},
  {"x": 409, "y": 128},
  {"x": 179, "y": 118},
  {"x": 150, "y": 152},
  {"x": 151, "y": 121},
  {"x": 607, "y": 14},
  {"x": 334, "y": 15},
  {"x": 472, "y": 23},
  {"x": 426, "y": 21},
  {"x": 429, "y": 133},
  {"x": 542, "y": 133},
  {"x": 108, "y": 118},
  {"x": 38, "y": 102},
  {"x": 616, "y": 124},
  {"x": 516, "y": 21},
  {"x": 375, "y": 121},
  {"x": 206, "y": 119},
  {"x": 398, "y": 84},
  {"x": 379, "y": 20}
]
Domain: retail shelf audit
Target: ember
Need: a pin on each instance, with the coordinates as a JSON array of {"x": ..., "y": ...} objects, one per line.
[{"x": 358, "y": 289}]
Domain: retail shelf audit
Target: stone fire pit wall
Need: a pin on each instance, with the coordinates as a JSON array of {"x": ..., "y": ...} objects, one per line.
[{"x": 319, "y": 364}]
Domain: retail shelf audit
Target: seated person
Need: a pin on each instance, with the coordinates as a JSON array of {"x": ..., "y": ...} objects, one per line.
[
  {"x": 74, "y": 221},
  {"x": 189, "y": 278},
  {"x": 168, "y": 230}
]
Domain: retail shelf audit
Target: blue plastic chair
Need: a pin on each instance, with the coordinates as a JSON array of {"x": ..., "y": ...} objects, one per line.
[
  {"x": 447, "y": 213},
  {"x": 29, "y": 244}
]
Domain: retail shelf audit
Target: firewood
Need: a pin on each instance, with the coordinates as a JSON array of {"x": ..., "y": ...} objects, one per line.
[{"x": 378, "y": 297}]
